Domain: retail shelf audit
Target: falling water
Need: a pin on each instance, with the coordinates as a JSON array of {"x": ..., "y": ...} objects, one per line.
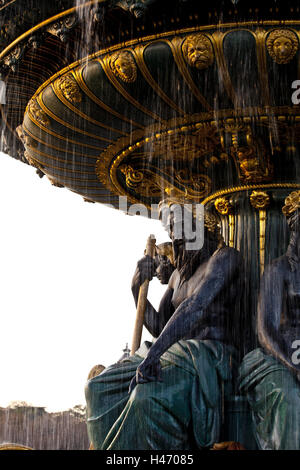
[{"x": 36, "y": 428}]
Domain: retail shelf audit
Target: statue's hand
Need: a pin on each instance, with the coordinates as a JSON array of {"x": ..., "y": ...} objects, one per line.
[
  {"x": 145, "y": 269},
  {"x": 148, "y": 371}
]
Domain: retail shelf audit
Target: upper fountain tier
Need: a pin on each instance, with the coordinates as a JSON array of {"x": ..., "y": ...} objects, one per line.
[{"x": 147, "y": 98}]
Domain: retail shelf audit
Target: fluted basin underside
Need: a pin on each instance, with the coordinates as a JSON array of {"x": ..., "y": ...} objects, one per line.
[{"x": 192, "y": 112}]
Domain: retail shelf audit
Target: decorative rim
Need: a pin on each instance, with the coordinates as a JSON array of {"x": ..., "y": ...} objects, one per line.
[{"x": 238, "y": 189}]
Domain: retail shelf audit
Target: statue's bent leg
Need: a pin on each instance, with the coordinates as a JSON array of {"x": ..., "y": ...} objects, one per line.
[
  {"x": 274, "y": 396},
  {"x": 156, "y": 416},
  {"x": 106, "y": 397},
  {"x": 182, "y": 411}
]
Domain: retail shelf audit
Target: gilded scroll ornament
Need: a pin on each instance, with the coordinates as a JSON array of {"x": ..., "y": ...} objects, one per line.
[
  {"x": 282, "y": 45},
  {"x": 151, "y": 184},
  {"x": 69, "y": 88},
  {"x": 292, "y": 203},
  {"x": 259, "y": 200},
  {"x": 63, "y": 27},
  {"x": 37, "y": 113},
  {"x": 133, "y": 177},
  {"x": 198, "y": 51},
  {"x": 123, "y": 66},
  {"x": 12, "y": 60}
]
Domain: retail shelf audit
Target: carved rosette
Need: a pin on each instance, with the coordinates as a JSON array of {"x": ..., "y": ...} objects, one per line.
[
  {"x": 259, "y": 200},
  {"x": 282, "y": 45}
]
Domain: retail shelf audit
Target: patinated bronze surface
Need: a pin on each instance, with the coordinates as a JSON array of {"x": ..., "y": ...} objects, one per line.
[
  {"x": 270, "y": 376},
  {"x": 200, "y": 313}
]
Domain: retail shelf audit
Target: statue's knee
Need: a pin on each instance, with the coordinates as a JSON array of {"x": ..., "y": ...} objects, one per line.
[{"x": 141, "y": 397}]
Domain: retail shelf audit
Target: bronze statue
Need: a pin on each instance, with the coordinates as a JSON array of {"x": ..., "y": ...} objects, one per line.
[
  {"x": 270, "y": 375},
  {"x": 176, "y": 383}
]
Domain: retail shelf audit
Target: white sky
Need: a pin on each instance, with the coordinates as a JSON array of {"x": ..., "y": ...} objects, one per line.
[{"x": 65, "y": 297}]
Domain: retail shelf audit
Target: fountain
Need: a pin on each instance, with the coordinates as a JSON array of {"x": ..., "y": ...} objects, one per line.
[{"x": 148, "y": 98}]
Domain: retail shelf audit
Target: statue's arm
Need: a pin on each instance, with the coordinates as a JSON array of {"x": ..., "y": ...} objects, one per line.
[
  {"x": 220, "y": 270},
  {"x": 270, "y": 305},
  {"x": 154, "y": 321}
]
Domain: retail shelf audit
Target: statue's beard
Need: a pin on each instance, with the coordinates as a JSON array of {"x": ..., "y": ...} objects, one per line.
[
  {"x": 181, "y": 255},
  {"x": 186, "y": 261}
]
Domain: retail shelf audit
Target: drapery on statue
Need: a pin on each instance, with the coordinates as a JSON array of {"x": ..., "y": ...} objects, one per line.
[
  {"x": 177, "y": 383},
  {"x": 270, "y": 375}
]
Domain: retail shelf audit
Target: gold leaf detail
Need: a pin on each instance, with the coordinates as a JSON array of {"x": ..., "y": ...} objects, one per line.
[
  {"x": 69, "y": 88},
  {"x": 123, "y": 66},
  {"x": 198, "y": 51},
  {"x": 292, "y": 203},
  {"x": 37, "y": 113},
  {"x": 259, "y": 200},
  {"x": 282, "y": 45}
]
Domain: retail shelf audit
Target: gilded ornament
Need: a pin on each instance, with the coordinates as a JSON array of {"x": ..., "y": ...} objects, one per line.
[
  {"x": 282, "y": 45},
  {"x": 69, "y": 88},
  {"x": 181, "y": 146},
  {"x": 252, "y": 156},
  {"x": 259, "y": 200},
  {"x": 198, "y": 51},
  {"x": 26, "y": 139},
  {"x": 223, "y": 206},
  {"x": 133, "y": 177},
  {"x": 211, "y": 222},
  {"x": 37, "y": 113},
  {"x": 123, "y": 66},
  {"x": 63, "y": 27},
  {"x": 292, "y": 203},
  {"x": 13, "y": 446},
  {"x": 12, "y": 60}
]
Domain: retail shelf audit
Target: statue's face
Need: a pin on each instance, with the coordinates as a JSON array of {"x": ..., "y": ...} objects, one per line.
[
  {"x": 198, "y": 54},
  {"x": 123, "y": 67},
  {"x": 282, "y": 47},
  {"x": 164, "y": 269}
]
